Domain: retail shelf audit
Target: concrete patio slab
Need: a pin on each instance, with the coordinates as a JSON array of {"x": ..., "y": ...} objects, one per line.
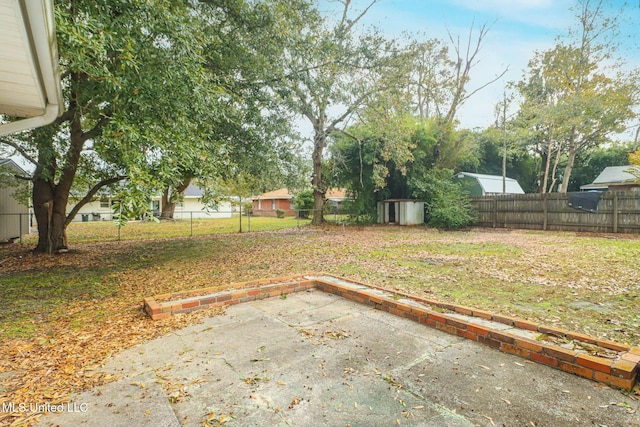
[{"x": 316, "y": 359}]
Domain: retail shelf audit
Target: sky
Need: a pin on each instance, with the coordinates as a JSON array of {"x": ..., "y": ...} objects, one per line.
[{"x": 518, "y": 28}]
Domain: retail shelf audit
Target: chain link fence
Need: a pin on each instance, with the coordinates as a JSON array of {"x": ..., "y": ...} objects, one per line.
[{"x": 94, "y": 226}]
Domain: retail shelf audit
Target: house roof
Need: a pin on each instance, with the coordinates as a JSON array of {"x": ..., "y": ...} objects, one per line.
[
  {"x": 29, "y": 75},
  {"x": 492, "y": 184},
  {"x": 193, "y": 191},
  {"x": 611, "y": 175},
  {"x": 336, "y": 194},
  {"x": 281, "y": 193},
  {"x": 8, "y": 163}
]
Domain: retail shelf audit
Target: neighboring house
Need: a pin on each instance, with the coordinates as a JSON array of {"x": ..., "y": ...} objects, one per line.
[
  {"x": 485, "y": 185},
  {"x": 335, "y": 198},
  {"x": 14, "y": 215},
  {"x": 613, "y": 178},
  {"x": 401, "y": 212},
  {"x": 190, "y": 207},
  {"x": 268, "y": 203}
]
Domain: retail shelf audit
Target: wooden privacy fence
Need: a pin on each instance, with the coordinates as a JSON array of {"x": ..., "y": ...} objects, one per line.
[{"x": 617, "y": 212}]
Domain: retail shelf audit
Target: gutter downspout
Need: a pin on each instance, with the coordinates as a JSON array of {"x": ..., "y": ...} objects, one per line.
[{"x": 39, "y": 23}]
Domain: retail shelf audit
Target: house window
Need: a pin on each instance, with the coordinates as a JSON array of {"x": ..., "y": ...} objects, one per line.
[
  {"x": 259, "y": 204},
  {"x": 104, "y": 202},
  {"x": 291, "y": 206},
  {"x": 273, "y": 204},
  {"x": 180, "y": 205}
]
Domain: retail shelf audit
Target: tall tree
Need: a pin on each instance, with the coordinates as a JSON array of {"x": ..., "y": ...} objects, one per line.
[
  {"x": 577, "y": 95},
  {"x": 333, "y": 70}
]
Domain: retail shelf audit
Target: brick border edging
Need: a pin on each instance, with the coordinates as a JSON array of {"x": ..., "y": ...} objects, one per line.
[{"x": 620, "y": 373}]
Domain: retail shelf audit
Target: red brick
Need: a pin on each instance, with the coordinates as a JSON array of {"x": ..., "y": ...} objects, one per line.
[
  {"x": 529, "y": 345},
  {"x": 526, "y": 325},
  {"x": 209, "y": 300},
  {"x": 624, "y": 369},
  {"x": 611, "y": 345},
  {"x": 514, "y": 349},
  {"x": 404, "y": 307},
  {"x": 613, "y": 381},
  {"x": 396, "y": 311},
  {"x": 595, "y": 363},
  {"x": 437, "y": 317},
  {"x": 190, "y": 304},
  {"x": 420, "y": 311},
  {"x": 578, "y": 370},
  {"x": 506, "y": 320},
  {"x": 467, "y": 334},
  {"x": 633, "y": 358},
  {"x": 160, "y": 316},
  {"x": 457, "y": 323},
  {"x": 550, "y": 330},
  {"x": 582, "y": 337},
  {"x": 478, "y": 329},
  {"x": 389, "y": 303},
  {"x": 489, "y": 341},
  {"x": 254, "y": 292},
  {"x": 451, "y": 307},
  {"x": 541, "y": 358},
  {"x": 502, "y": 337},
  {"x": 483, "y": 314},
  {"x": 375, "y": 299},
  {"x": 429, "y": 322},
  {"x": 446, "y": 328},
  {"x": 464, "y": 310},
  {"x": 560, "y": 353}
]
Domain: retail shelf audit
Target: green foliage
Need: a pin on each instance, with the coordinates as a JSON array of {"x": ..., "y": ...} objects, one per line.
[
  {"x": 447, "y": 205},
  {"x": 303, "y": 202},
  {"x": 591, "y": 164},
  {"x": 279, "y": 213}
]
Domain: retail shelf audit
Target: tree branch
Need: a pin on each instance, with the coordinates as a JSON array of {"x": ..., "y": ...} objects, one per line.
[
  {"x": 87, "y": 198},
  {"x": 20, "y": 150}
]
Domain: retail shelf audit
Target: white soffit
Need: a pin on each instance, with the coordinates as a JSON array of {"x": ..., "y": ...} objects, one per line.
[{"x": 29, "y": 74}]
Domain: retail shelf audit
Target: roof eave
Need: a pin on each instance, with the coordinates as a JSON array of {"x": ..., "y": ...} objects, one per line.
[{"x": 39, "y": 26}]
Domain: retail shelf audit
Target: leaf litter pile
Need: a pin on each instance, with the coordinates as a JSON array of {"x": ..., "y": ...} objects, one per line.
[{"x": 65, "y": 314}]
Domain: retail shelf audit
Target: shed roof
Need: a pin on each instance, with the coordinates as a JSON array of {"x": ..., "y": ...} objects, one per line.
[
  {"x": 611, "y": 175},
  {"x": 29, "y": 75},
  {"x": 492, "y": 184}
]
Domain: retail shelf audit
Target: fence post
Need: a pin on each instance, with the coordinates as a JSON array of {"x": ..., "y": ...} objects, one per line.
[
  {"x": 615, "y": 211},
  {"x": 495, "y": 211},
  {"x": 545, "y": 208}
]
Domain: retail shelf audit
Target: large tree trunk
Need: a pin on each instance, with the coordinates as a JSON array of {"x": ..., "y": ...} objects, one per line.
[
  {"x": 50, "y": 199},
  {"x": 319, "y": 187},
  {"x": 49, "y": 206},
  {"x": 170, "y": 197}
]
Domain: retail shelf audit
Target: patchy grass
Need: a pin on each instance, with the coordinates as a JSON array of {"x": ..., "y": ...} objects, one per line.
[{"x": 65, "y": 313}]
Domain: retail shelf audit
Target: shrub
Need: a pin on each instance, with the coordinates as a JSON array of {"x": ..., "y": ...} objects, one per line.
[
  {"x": 303, "y": 202},
  {"x": 447, "y": 205},
  {"x": 279, "y": 213}
]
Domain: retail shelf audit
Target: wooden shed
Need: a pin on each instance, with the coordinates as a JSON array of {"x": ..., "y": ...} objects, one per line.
[
  {"x": 401, "y": 212},
  {"x": 14, "y": 215}
]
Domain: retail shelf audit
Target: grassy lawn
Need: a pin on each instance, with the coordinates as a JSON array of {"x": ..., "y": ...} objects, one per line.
[
  {"x": 104, "y": 231},
  {"x": 63, "y": 314}
]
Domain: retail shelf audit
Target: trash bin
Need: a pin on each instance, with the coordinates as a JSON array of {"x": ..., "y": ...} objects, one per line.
[{"x": 85, "y": 217}]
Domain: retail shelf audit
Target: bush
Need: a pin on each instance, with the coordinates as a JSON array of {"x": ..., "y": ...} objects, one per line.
[
  {"x": 448, "y": 206},
  {"x": 303, "y": 203},
  {"x": 279, "y": 213}
]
